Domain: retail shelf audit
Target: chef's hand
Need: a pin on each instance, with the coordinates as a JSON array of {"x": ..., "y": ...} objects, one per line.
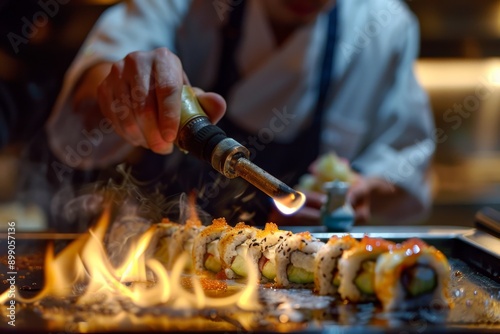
[
  {"x": 141, "y": 96},
  {"x": 368, "y": 194}
]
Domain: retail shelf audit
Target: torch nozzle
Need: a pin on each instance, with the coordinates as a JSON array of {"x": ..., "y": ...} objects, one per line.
[
  {"x": 198, "y": 136},
  {"x": 286, "y": 199}
]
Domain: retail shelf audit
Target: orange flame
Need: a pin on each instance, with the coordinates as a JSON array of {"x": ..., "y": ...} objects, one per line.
[
  {"x": 86, "y": 262},
  {"x": 291, "y": 203}
]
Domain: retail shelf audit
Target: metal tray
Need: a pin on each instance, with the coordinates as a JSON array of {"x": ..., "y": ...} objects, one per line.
[{"x": 474, "y": 255}]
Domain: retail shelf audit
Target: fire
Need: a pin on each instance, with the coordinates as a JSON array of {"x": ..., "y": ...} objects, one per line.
[
  {"x": 291, "y": 203},
  {"x": 84, "y": 265}
]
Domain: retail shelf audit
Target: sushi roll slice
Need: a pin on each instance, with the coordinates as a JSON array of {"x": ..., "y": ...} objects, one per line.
[
  {"x": 205, "y": 247},
  {"x": 182, "y": 241},
  {"x": 326, "y": 273},
  {"x": 411, "y": 276},
  {"x": 357, "y": 269},
  {"x": 262, "y": 250},
  {"x": 295, "y": 260},
  {"x": 163, "y": 240},
  {"x": 233, "y": 247}
]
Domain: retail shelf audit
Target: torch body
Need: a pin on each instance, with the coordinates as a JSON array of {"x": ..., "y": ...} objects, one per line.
[{"x": 199, "y": 137}]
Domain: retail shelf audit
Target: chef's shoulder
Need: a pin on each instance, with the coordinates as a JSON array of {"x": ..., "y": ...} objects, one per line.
[
  {"x": 376, "y": 31},
  {"x": 159, "y": 6},
  {"x": 137, "y": 10},
  {"x": 378, "y": 18}
]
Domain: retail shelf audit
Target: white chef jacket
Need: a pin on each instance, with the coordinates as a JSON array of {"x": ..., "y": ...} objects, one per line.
[{"x": 377, "y": 115}]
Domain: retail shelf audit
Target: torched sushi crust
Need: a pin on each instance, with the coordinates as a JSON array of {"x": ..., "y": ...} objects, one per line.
[
  {"x": 182, "y": 241},
  {"x": 233, "y": 247},
  {"x": 400, "y": 276},
  {"x": 295, "y": 260},
  {"x": 262, "y": 250},
  {"x": 202, "y": 252},
  {"x": 326, "y": 275},
  {"x": 356, "y": 269},
  {"x": 163, "y": 241},
  {"x": 411, "y": 275}
]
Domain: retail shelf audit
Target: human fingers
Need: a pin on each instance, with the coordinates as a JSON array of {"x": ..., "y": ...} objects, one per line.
[
  {"x": 358, "y": 196},
  {"x": 115, "y": 103},
  {"x": 381, "y": 186},
  {"x": 357, "y": 192},
  {"x": 168, "y": 80},
  {"x": 362, "y": 212},
  {"x": 138, "y": 68},
  {"x": 213, "y": 104}
]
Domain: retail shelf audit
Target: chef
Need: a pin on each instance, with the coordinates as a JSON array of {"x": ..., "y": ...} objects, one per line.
[{"x": 289, "y": 79}]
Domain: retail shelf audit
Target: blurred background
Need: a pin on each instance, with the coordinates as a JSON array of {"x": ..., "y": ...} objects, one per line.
[{"x": 459, "y": 66}]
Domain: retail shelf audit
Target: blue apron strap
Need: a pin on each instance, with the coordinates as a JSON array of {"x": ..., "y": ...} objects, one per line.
[
  {"x": 278, "y": 159},
  {"x": 228, "y": 72},
  {"x": 231, "y": 32},
  {"x": 327, "y": 67}
]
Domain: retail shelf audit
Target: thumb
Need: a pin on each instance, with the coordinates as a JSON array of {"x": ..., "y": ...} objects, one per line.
[{"x": 213, "y": 104}]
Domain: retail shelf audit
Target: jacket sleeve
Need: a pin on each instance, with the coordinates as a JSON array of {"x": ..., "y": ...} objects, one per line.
[
  {"x": 124, "y": 28},
  {"x": 401, "y": 135}
]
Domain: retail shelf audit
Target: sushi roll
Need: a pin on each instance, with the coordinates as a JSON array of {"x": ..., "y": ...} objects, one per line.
[
  {"x": 326, "y": 273},
  {"x": 205, "y": 247},
  {"x": 262, "y": 250},
  {"x": 182, "y": 241},
  {"x": 295, "y": 260},
  {"x": 357, "y": 269},
  {"x": 411, "y": 276},
  {"x": 233, "y": 247},
  {"x": 163, "y": 240}
]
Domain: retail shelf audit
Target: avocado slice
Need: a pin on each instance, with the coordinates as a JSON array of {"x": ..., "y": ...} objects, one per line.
[
  {"x": 419, "y": 280},
  {"x": 239, "y": 266},
  {"x": 213, "y": 264},
  {"x": 212, "y": 260},
  {"x": 336, "y": 279},
  {"x": 269, "y": 270},
  {"x": 299, "y": 275},
  {"x": 364, "y": 281}
]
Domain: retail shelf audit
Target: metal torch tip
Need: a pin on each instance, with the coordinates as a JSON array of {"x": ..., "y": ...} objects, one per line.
[
  {"x": 287, "y": 200},
  {"x": 291, "y": 203}
]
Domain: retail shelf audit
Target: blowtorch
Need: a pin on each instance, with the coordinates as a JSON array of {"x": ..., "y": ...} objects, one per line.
[{"x": 199, "y": 137}]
